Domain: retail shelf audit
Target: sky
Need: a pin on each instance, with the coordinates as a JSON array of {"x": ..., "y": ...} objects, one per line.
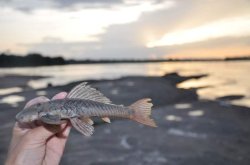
[{"x": 125, "y": 29}]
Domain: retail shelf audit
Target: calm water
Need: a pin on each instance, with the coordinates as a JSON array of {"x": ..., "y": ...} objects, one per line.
[{"x": 225, "y": 78}]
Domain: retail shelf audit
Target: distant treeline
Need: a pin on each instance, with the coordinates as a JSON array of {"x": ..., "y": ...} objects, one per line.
[
  {"x": 36, "y": 59},
  {"x": 237, "y": 58}
]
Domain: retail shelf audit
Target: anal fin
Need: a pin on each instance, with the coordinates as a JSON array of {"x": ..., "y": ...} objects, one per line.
[
  {"x": 106, "y": 119},
  {"x": 81, "y": 126},
  {"x": 87, "y": 120}
]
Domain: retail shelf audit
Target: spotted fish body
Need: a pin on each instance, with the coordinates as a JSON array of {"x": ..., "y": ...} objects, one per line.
[
  {"x": 82, "y": 103},
  {"x": 89, "y": 108}
]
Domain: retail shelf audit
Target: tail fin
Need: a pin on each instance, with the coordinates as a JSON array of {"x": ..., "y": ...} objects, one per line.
[{"x": 142, "y": 109}]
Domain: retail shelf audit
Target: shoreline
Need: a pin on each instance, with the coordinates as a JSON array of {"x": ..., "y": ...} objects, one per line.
[{"x": 171, "y": 80}]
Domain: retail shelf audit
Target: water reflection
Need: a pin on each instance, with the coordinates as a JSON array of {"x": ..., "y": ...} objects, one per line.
[
  {"x": 6, "y": 91},
  {"x": 114, "y": 91},
  {"x": 182, "y": 106},
  {"x": 245, "y": 101},
  {"x": 41, "y": 93},
  {"x": 225, "y": 78},
  {"x": 196, "y": 113},
  {"x": 173, "y": 118},
  {"x": 178, "y": 132},
  {"x": 13, "y": 100}
]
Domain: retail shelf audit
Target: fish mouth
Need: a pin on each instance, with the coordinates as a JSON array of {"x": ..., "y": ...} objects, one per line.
[{"x": 18, "y": 117}]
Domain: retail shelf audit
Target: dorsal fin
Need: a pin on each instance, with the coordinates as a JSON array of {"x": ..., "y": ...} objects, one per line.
[{"x": 84, "y": 91}]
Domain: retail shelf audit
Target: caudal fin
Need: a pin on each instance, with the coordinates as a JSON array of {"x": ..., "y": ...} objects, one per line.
[{"x": 142, "y": 109}]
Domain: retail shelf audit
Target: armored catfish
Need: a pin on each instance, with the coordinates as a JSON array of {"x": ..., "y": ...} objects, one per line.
[{"x": 82, "y": 103}]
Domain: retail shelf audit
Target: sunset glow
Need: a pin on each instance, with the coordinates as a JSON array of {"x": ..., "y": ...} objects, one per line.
[
  {"x": 234, "y": 27},
  {"x": 126, "y": 29}
]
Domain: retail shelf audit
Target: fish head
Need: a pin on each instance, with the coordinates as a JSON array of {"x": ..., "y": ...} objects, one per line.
[
  {"x": 46, "y": 109},
  {"x": 31, "y": 110},
  {"x": 29, "y": 114}
]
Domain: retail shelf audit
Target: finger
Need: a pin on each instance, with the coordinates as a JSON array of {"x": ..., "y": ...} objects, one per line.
[
  {"x": 17, "y": 132},
  {"x": 40, "y": 134},
  {"x": 56, "y": 144},
  {"x": 60, "y": 95},
  {"x": 64, "y": 133},
  {"x": 35, "y": 136},
  {"x": 36, "y": 100}
]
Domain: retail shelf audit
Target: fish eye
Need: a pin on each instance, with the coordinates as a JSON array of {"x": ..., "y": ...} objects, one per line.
[{"x": 38, "y": 104}]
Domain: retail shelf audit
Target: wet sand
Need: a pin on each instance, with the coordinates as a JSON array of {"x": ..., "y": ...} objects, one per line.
[{"x": 190, "y": 131}]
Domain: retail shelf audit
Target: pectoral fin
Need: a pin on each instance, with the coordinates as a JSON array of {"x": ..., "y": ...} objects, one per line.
[
  {"x": 84, "y": 127},
  {"x": 51, "y": 119}
]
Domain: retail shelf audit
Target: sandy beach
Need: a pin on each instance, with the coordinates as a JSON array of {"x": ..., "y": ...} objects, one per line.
[{"x": 190, "y": 130}]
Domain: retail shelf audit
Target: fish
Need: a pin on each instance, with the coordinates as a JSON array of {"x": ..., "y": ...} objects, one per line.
[{"x": 82, "y": 103}]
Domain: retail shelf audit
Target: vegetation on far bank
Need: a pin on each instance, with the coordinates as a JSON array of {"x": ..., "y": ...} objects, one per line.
[{"x": 36, "y": 59}]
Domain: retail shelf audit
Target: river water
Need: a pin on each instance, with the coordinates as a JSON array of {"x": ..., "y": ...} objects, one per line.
[{"x": 224, "y": 78}]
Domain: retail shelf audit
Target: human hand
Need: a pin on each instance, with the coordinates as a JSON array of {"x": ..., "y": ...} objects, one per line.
[{"x": 38, "y": 143}]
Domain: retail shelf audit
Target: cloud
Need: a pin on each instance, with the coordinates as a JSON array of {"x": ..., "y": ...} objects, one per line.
[
  {"x": 88, "y": 3},
  {"x": 222, "y": 47},
  {"x": 129, "y": 39},
  {"x": 28, "y": 6},
  {"x": 25, "y": 6},
  {"x": 54, "y": 46}
]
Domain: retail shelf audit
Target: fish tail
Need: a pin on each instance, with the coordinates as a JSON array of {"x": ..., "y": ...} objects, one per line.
[{"x": 142, "y": 111}]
